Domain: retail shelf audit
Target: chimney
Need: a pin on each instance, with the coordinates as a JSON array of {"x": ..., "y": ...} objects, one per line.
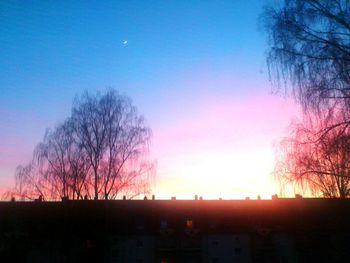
[
  {"x": 298, "y": 196},
  {"x": 274, "y": 197},
  {"x": 40, "y": 199},
  {"x": 153, "y": 197},
  {"x": 247, "y": 198},
  {"x": 201, "y": 198},
  {"x": 173, "y": 198},
  {"x": 124, "y": 197},
  {"x": 196, "y": 197},
  {"x": 145, "y": 198}
]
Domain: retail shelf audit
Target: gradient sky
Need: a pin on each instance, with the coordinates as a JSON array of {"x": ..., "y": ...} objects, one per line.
[{"x": 195, "y": 69}]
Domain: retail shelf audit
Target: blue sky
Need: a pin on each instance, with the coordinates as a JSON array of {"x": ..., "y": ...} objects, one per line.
[{"x": 182, "y": 60}]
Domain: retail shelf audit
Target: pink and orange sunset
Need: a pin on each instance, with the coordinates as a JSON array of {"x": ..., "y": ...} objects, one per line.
[
  {"x": 203, "y": 87},
  {"x": 186, "y": 131},
  {"x": 222, "y": 150}
]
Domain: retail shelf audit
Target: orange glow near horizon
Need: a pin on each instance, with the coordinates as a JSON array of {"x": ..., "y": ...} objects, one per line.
[
  {"x": 194, "y": 69},
  {"x": 219, "y": 148},
  {"x": 226, "y": 150},
  {"x": 227, "y": 176}
]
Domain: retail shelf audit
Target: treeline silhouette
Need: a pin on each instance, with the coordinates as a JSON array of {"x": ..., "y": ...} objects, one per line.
[{"x": 100, "y": 151}]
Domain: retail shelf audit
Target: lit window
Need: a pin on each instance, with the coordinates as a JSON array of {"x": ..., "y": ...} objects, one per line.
[
  {"x": 189, "y": 223},
  {"x": 89, "y": 244}
]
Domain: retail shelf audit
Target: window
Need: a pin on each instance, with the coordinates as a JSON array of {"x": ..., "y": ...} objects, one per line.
[
  {"x": 213, "y": 224},
  {"x": 215, "y": 243},
  {"x": 284, "y": 259},
  {"x": 163, "y": 224},
  {"x": 89, "y": 244},
  {"x": 215, "y": 260},
  {"x": 115, "y": 252},
  {"x": 189, "y": 223},
  {"x": 237, "y": 251},
  {"x": 163, "y": 261},
  {"x": 139, "y": 243},
  {"x": 140, "y": 224}
]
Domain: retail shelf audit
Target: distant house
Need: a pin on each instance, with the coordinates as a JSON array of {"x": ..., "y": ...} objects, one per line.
[{"x": 167, "y": 231}]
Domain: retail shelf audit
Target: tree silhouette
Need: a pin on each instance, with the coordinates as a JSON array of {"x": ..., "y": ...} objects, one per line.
[
  {"x": 309, "y": 55},
  {"x": 310, "y": 49},
  {"x": 62, "y": 162},
  {"x": 315, "y": 161},
  {"x": 100, "y": 151}
]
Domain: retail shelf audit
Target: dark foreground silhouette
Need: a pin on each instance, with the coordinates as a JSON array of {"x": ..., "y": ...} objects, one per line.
[{"x": 280, "y": 230}]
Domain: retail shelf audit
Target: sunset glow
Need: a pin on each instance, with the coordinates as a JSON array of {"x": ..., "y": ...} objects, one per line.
[
  {"x": 174, "y": 131},
  {"x": 229, "y": 157},
  {"x": 196, "y": 72}
]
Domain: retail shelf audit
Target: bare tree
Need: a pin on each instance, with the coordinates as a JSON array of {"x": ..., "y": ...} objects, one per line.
[
  {"x": 62, "y": 162},
  {"x": 100, "y": 151},
  {"x": 28, "y": 183},
  {"x": 314, "y": 161},
  {"x": 310, "y": 49},
  {"x": 113, "y": 136},
  {"x": 309, "y": 55}
]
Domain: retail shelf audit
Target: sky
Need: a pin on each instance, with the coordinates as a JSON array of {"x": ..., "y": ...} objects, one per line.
[{"x": 195, "y": 69}]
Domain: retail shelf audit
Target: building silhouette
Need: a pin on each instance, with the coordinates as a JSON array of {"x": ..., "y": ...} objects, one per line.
[{"x": 167, "y": 231}]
